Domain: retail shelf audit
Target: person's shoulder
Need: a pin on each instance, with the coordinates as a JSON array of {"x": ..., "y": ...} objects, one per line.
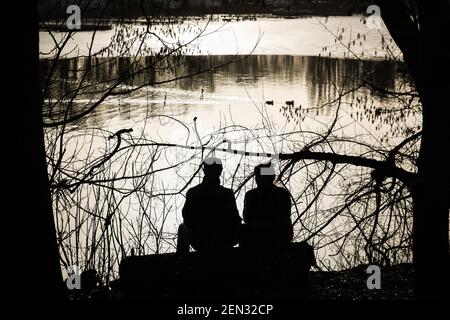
[
  {"x": 251, "y": 193},
  {"x": 226, "y": 190},
  {"x": 194, "y": 190},
  {"x": 282, "y": 191}
]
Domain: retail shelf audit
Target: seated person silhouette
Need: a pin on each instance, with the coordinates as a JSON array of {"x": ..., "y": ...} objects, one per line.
[
  {"x": 267, "y": 214},
  {"x": 211, "y": 221}
]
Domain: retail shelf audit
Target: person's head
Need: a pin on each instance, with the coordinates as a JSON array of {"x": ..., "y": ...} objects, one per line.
[
  {"x": 212, "y": 167},
  {"x": 264, "y": 175}
]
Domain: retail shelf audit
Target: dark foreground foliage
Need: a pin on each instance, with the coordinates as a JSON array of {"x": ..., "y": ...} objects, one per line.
[{"x": 397, "y": 283}]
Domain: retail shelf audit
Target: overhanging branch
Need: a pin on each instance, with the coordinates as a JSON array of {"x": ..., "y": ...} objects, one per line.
[{"x": 383, "y": 167}]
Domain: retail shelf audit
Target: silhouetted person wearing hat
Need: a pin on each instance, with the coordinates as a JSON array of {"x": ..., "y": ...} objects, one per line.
[
  {"x": 267, "y": 214},
  {"x": 211, "y": 220}
]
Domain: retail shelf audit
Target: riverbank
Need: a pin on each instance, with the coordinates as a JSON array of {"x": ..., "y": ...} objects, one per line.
[{"x": 397, "y": 283}]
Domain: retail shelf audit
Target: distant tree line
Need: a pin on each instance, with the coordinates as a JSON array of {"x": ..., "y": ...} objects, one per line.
[{"x": 53, "y": 9}]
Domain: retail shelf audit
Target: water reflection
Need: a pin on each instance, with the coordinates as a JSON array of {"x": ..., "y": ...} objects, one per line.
[{"x": 308, "y": 81}]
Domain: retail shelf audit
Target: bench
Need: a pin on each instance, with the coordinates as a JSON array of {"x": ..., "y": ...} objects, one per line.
[{"x": 235, "y": 273}]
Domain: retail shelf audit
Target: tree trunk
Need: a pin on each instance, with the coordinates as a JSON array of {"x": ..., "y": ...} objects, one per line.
[
  {"x": 431, "y": 215},
  {"x": 423, "y": 45},
  {"x": 430, "y": 240},
  {"x": 30, "y": 254},
  {"x": 431, "y": 194}
]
